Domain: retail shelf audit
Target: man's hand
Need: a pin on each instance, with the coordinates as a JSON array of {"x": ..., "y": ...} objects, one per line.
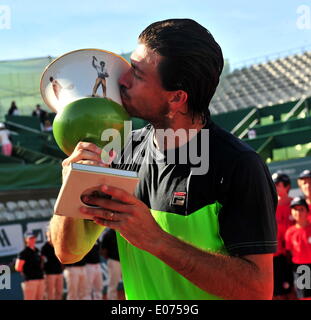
[
  {"x": 84, "y": 153},
  {"x": 248, "y": 277},
  {"x": 125, "y": 213},
  {"x": 74, "y": 238}
]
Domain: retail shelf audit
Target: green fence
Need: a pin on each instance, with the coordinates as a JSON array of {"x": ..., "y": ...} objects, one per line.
[{"x": 30, "y": 176}]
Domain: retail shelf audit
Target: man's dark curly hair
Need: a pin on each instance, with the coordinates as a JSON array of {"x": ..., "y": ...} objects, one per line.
[{"x": 193, "y": 60}]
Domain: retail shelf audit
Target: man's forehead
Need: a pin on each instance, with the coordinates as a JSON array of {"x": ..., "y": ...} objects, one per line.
[
  {"x": 139, "y": 53},
  {"x": 142, "y": 54}
]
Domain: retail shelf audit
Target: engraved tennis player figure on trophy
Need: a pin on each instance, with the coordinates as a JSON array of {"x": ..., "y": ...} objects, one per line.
[
  {"x": 102, "y": 74},
  {"x": 57, "y": 87}
]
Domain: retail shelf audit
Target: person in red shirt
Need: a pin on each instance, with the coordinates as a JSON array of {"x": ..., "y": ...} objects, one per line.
[
  {"x": 298, "y": 243},
  {"x": 304, "y": 183},
  {"x": 283, "y": 278}
]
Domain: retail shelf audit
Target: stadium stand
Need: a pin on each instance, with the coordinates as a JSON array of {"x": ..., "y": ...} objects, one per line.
[
  {"x": 265, "y": 84},
  {"x": 272, "y": 100}
]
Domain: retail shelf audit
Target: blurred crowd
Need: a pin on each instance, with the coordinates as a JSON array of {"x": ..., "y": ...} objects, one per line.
[
  {"x": 5, "y": 134},
  {"x": 37, "y": 112},
  {"x": 45, "y": 278},
  {"x": 292, "y": 261}
]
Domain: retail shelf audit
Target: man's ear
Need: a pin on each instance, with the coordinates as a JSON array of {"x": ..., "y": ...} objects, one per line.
[
  {"x": 178, "y": 101},
  {"x": 179, "y": 96}
]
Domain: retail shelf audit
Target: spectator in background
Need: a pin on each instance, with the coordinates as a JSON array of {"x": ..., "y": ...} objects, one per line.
[
  {"x": 110, "y": 252},
  {"x": 54, "y": 280},
  {"x": 47, "y": 126},
  {"x": 298, "y": 243},
  {"x": 13, "y": 111},
  {"x": 304, "y": 183},
  {"x": 76, "y": 280},
  {"x": 30, "y": 264},
  {"x": 283, "y": 279},
  {"x": 41, "y": 114},
  {"x": 251, "y": 134},
  {"x": 5, "y": 140},
  {"x": 95, "y": 281}
]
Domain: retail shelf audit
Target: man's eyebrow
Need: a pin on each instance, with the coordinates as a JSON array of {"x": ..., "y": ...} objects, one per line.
[{"x": 136, "y": 68}]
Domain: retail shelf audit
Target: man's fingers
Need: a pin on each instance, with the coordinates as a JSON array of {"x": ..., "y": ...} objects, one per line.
[
  {"x": 107, "y": 223},
  {"x": 119, "y": 194},
  {"x": 82, "y": 155},
  {"x": 88, "y": 146},
  {"x": 102, "y": 214},
  {"x": 93, "y": 163},
  {"x": 106, "y": 203}
]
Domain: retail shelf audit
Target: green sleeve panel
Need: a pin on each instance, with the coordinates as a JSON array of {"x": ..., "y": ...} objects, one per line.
[{"x": 146, "y": 277}]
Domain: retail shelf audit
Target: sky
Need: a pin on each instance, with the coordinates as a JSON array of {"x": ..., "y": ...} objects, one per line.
[{"x": 244, "y": 29}]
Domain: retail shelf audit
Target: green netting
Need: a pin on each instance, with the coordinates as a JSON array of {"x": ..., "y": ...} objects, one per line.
[{"x": 20, "y": 81}]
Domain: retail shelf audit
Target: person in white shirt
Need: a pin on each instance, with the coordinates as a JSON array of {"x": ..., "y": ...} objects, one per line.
[{"x": 5, "y": 141}]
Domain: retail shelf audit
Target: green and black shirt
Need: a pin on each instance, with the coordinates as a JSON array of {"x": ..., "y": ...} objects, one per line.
[{"x": 229, "y": 209}]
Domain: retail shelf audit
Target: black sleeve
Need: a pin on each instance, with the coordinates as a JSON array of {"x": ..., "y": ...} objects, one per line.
[
  {"x": 105, "y": 244},
  {"x": 23, "y": 255},
  {"x": 247, "y": 219},
  {"x": 44, "y": 251}
]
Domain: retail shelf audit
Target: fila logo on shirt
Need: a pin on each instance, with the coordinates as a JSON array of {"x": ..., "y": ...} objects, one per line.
[{"x": 179, "y": 198}]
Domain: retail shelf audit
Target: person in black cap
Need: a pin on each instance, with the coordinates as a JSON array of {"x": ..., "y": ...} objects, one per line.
[
  {"x": 298, "y": 243},
  {"x": 304, "y": 183},
  {"x": 30, "y": 263},
  {"x": 283, "y": 279}
]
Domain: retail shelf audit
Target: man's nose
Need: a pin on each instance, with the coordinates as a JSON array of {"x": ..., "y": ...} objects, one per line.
[{"x": 124, "y": 79}]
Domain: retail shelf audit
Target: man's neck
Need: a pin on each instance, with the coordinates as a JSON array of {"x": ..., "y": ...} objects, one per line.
[{"x": 176, "y": 133}]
